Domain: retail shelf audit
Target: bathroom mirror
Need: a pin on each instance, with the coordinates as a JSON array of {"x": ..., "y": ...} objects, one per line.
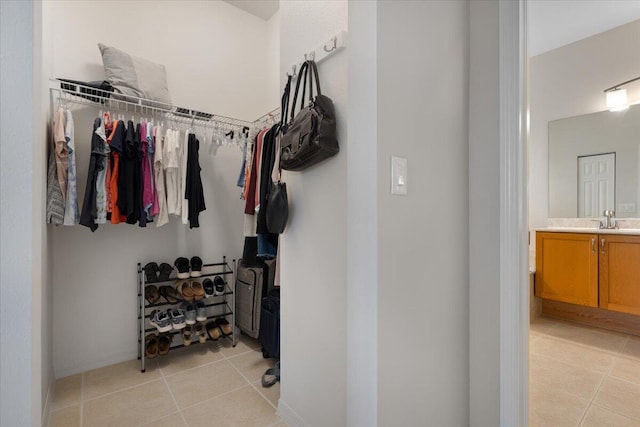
[{"x": 594, "y": 164}]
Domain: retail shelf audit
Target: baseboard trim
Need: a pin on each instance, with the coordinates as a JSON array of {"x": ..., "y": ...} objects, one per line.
[
  {"x": 112, "y": 359},
  {"x": 592, "y": 316},
  {"x": 46, "y": 410},
  {"x": 289, "y": 415}
]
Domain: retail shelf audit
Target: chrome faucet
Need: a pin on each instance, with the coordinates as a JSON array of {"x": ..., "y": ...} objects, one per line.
[{"x": 609, "y": 222}]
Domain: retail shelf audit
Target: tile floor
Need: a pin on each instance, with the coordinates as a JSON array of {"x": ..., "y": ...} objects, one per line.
[
  {"x": 203, "y": 385},
  {"x": 582, "y": 376}
]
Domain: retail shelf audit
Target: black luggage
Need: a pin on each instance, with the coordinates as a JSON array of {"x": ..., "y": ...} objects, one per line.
[{"x": 270, "y": 325}]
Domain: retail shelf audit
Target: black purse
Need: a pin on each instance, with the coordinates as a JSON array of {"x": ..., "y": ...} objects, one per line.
[
  {"x": 311, "y": 135},
  {"x": 278, "y": 204}
]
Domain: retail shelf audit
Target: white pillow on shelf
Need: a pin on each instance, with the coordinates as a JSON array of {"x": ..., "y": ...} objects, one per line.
[{"x": 133, "y": 76}]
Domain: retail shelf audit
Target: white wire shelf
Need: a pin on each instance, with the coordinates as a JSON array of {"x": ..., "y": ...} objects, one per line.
[{"x": 66, "y": 92}]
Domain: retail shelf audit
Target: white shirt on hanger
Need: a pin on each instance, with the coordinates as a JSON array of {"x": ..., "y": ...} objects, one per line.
[
  {"x": 158, "y": 171},
  {"x": 183, "y": 178},
  {"x": 172, "y": 155}
]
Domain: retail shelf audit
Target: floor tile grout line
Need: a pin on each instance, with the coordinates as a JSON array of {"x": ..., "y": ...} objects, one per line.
[
  {"x": 615, "y": 411},
  {"x": 578, "y": 344},
  {"x": 214, "y": 397},
  {"x": 175, "y": 402},
  {"x": 122, "y": 389},
  {"x": 584, "y": 415}
]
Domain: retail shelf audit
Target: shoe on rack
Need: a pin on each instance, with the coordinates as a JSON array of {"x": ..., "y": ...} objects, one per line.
[
  {"x": 213, "y": 331},
  {"x": 224, "y": 326},
  {"x": 177, "y": 318},
  {"x": 169, "y": 293},
  {"x": 187, "y": 332},
  {"x": 189, "y": 313},
  {"x": 160, "y": 320},
  {"x": 209, "y": 289},
  {"x": 164, "y": 272},
  {"x": 201, "y": 311},
  {"x": 182, "y": 264},
  {"x": 151, "y": 346},
  {"x": 151, "y": 272},
  {"x": 164, "y": 344},
  {"x": 201, "y": 333},
  {"x": 196, "y": 266},
  {"x": 219, "y": 285},
  {"x": 198, "y": 290},
  {"x": 183, "y": 288},
  {"x": 151, "y": 294}
]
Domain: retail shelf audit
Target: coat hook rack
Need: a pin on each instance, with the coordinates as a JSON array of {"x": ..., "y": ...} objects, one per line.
[{"x": 322, "y": 52}]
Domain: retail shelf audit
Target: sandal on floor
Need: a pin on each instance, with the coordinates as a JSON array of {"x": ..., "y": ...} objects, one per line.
[
  {"x": 151, "y": 294},
  {"x": 164, "y": 344},
  {"x": 151, "y": 346},
  {"x": 213, "y": 331},
  {"x": 224, "y": 326},
  {"x": 271, "y": 376},
  {"x": 169, "y": 293}
]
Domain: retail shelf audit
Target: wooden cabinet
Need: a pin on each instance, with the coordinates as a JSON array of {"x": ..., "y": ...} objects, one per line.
[
  {"x": 567, "y": 267},
  {"x": 619, "y": 273},
  {"x": 594, "y": 270}
]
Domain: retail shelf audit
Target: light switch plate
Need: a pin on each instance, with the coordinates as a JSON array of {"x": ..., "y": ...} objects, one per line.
[{"x": 398, "y": 175}]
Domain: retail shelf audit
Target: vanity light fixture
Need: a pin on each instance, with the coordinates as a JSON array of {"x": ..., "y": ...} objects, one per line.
[{"x": 617, "y": 97}]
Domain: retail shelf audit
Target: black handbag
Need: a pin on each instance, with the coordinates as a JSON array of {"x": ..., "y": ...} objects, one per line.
[
  {"x": 278, "y": 208},
  {"x": 311, "y": 136}
]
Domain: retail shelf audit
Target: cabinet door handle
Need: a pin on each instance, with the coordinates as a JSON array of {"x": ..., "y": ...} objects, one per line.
[
  {"x": 593, "y": 245},
  {"x": 602, "y": 246}
]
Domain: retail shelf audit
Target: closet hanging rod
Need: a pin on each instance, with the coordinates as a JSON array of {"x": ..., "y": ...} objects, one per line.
[
  {"x": 275, "y": 114},
  {"x": 322, "y": 52},
  {"x": 87, "y": 95}
]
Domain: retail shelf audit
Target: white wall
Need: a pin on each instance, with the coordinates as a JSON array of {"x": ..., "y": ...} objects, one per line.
[
  {"x": 21, "y": 341},
  {"x": 423, "y": 238},
  {"x": 213, "y": 53},
  {"x": 362, "y": 217},
  {"x": 567, "y": 82},
  {"x": 313, "y": 249},
  {"x": 484, "y": 217}
]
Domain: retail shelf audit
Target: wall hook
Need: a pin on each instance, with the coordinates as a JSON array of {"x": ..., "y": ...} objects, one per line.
[{"x": 333, "y": 46}]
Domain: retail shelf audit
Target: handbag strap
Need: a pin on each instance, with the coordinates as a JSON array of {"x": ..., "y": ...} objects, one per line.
[
  {"x": 284, "y": 104},
  {"x": 314, "y": 70},
  {"x": 302, "y": 77}
]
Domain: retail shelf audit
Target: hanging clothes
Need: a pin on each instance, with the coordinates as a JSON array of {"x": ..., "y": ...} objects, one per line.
[
  {"x": 89, "y": 205},
  {"x": 267, "y": 242},
  {"x": 151, "y": 137},
  {"x": 61, "y": 150},
  {"x": 146, "y": 174},
  {"x": 55, "y": 202},
  {"x": 116, "y": 143},
  {"x": 159, "y": 163},
  {"x": 71, "y": 213},
  {"x": 102, "y": 154},
  {"x": 172, "y": 161},
  {"x": 193, "y": 185},
  {"x": 183, "y": 178},
  {"x": 250, "y": 197}
]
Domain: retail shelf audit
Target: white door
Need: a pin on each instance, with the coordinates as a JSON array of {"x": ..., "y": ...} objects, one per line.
[{"x": 596, "y": 184}]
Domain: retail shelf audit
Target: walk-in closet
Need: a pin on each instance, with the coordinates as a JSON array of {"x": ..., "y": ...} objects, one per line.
[{"x": 163, "y": 152}]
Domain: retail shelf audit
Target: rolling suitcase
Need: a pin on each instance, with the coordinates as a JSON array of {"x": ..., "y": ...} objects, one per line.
[
  {"x": 270, "y": 325},
  {"x": 249, "y": 291}
]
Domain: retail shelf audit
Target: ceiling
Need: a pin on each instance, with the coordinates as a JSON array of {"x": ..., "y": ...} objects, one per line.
[
  {"x": 555, "y": 23},
  {"x": 261, "y": 8}
]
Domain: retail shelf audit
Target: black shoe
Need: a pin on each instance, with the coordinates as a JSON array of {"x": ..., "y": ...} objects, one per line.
[
  {"x": 196, "y": 267},
  {"x": 208, "y": 286},
  {"x": 219, "y": 285},
  {"x": 151, "y": 272},
  {"x": 182, "y": 264},
  {"x": 165, "y": 272}
]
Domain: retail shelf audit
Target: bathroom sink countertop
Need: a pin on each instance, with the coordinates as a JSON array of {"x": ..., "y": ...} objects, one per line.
[{"x": 593, "y": 230}]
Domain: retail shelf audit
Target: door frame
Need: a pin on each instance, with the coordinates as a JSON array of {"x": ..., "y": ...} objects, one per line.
[{"x": 514, "y": 224}]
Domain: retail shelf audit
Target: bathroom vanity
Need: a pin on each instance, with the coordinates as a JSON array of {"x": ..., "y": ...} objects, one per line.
[{"x": 590, "y": 268}]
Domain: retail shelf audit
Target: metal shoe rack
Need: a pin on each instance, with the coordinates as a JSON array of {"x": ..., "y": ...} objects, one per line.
[{"x": 217, "y": 306}]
